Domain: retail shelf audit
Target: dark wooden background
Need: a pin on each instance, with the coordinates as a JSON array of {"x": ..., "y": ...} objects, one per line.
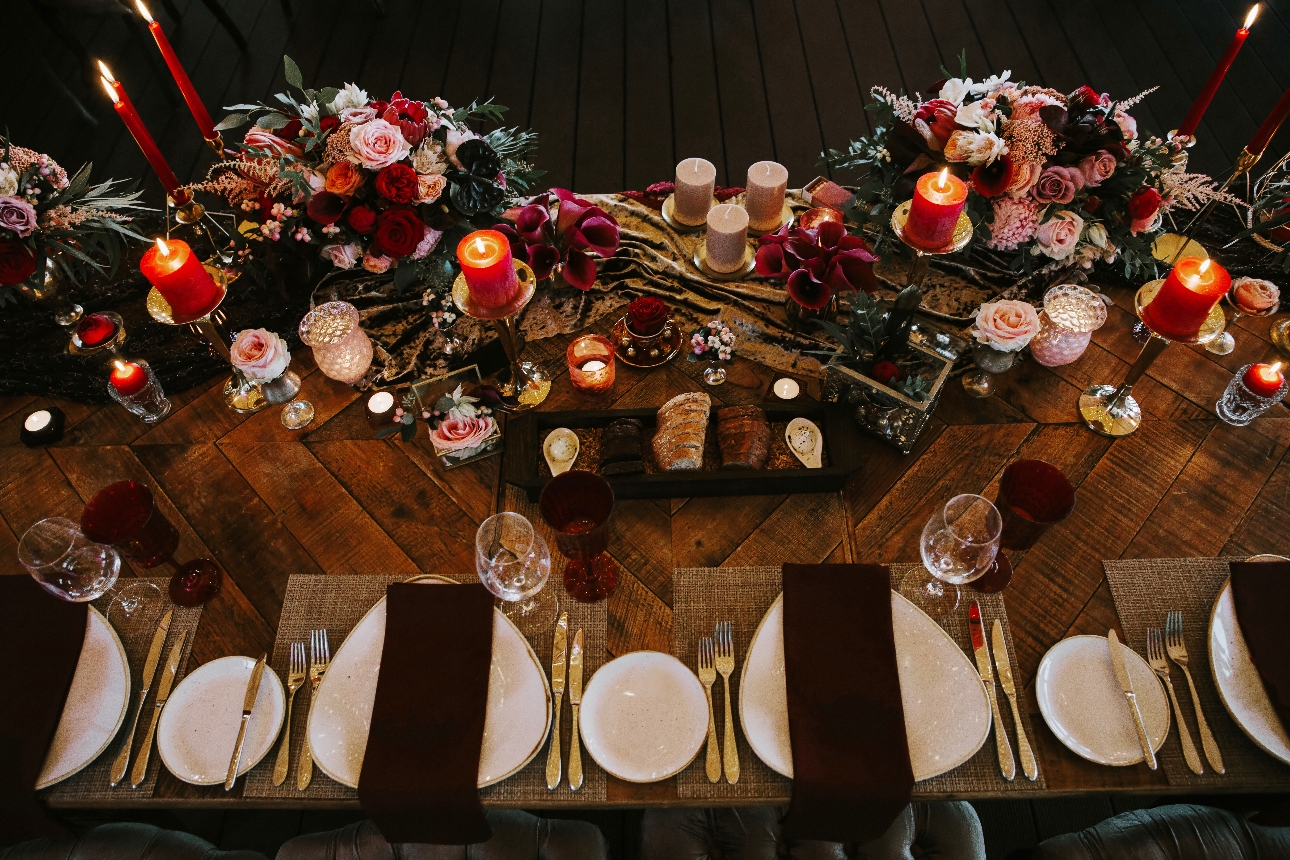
[{"x": 620, "y": 90}]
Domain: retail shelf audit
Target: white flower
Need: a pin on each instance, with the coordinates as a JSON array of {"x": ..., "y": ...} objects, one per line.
[
  {"x": 357, "y": 115},
  {"x": 343, "y": 256},
  {"x": 990, "y": 84},
  {"x": 1128, "y": 125},
  {"x": 428, "y": 158},
  {"x": 956, "y": 89},
  {"x": 310, "y": 111},
  {"x": 8, "y": 181},
  {"x": 975, "y": 115},
  {"x": 976, "y": 148},
  {"x": 1096, "y": 234},
  {"x": 349, "y": 97}
]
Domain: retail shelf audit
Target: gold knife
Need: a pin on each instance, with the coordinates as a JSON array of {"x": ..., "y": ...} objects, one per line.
[
  {"x": 140, "y": 771},
  {"x": 122, "y": 763},
  {"x": 557, "y": 688},
  {"x": 248, "y": 705},
  {"x": 1007, "y": 766},
  {"x": 575, "y": 702},
  {"x": 1003, "y": 668},
  {"x": 1122, "y": 675}
]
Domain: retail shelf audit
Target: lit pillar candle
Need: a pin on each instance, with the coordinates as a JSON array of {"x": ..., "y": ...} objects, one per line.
[
  {"x": 128, "y": 378},
  {"x": 727, "y": 237},
  {"x": 173, "y": 268},
  {"x": 764, "y": 200},
  {"x": 130, "y": 116},
  {"x": 1186, "y": 297},
  {"x": 938, "y": 201},
  {"x": 1197, "y": 111},
  {"x": 194, "y": 101},
  {"x": 591, "y": 364},
  {"x": 1264, "y": 379},
  {"x": 695, "y": 180},
  {"x": 488, "y": 267}
]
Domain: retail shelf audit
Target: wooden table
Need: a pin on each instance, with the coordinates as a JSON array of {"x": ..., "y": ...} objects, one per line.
[{"x": 267, "y": 503}]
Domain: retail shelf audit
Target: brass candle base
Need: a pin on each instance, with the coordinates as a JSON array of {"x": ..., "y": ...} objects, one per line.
[{"x": 524, "y": 385}]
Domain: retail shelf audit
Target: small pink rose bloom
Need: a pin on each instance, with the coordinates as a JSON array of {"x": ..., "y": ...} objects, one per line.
[
  {"x": 17, "y": 215},
  {"x": 1058, "y": 185},
  {"x": 378, "y": 144},
  {"x": 260, "y": 354},
  {"x": 456, "y": 434},
  {"x": 1256, "y": 296},
  {"x": 1006, "y": 325},
  {"x": 1057, "y": 237},
  {"x": 1097, "y": 168}
]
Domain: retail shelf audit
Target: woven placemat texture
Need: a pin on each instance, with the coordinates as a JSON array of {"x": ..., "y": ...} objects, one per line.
[
  {"x": 702, "y": 596},
  {"x": 1143, "y": 591},
  {"x": 92, "y": 782},
  {"x": 338, "y": 603}
]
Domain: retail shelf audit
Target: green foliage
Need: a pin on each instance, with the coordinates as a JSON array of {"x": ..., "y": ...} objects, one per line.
[{"x": 875, "y": 333}]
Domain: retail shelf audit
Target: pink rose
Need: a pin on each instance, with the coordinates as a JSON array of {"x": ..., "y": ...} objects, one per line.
[
  {"x": 1254, "y": 296},
  {"x": 1128, "y": 125},
  {"x": 1006, "y": 325},
  {"x": 1058, "y": 236},
  {"x": 378, "y": 144},
  {"x": 1024, "y": 176},
  {"x": 17, "y": 215},
  {"x": 1097, "y": 168},
  {"x": 267, "y": 141},
  {"x": 430, "y": 186},
  {"x": 358, "y": 115},
  {"x": 1058, "y": 185},
  {"x": 458, "y": 434},
  {"x": 260, "y": 354},
  {"x": 377, "y": 265},
  {"x": 342, "y": 256}
]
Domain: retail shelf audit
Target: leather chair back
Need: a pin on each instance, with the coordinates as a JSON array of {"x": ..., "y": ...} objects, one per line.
[
  {"x": 124, "y": 842},
  {"x": 1175, "y": 832}
]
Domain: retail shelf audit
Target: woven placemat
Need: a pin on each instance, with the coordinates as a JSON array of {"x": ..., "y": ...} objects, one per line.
[
  {"x": 91, "y": 783},
  {"x": 741, "y": 595},
  {"x": 338, "y": 603},
  {"x": 1143, "y": 591}
]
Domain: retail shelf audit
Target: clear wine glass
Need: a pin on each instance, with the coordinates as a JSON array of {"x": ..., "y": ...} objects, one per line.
[
  {"x": 513, "y": 562},
  {"x": 959, "y": 544}
]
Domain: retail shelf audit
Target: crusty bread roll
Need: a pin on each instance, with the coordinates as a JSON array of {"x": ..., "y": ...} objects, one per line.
[
  {"x": 680, "y": 430},
  {"x": 744, "y": 436}
]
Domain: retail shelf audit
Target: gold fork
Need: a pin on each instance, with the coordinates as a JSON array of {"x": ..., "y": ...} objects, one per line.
[
  {"x": 708, "y": 677},
  {"x": 725, "y": 661},
  {"x": 1178, "y": 653},
  {"x": 295, "y": 680},
  {"x": 319, "y": 660},
  {"x": 1156, "y": 657}
]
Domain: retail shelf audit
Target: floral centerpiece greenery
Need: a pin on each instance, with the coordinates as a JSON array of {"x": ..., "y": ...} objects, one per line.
[
  {"x": 46, "y": 214},
  {"x": 1054, "y": 179},
  {"x": 369, "y": 182},
  {"x": 567, "y": 244},
  {"x": 875, "y": 341}
]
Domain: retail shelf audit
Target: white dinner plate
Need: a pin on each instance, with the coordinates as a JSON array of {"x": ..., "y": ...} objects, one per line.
[
  {"x": 1084, "y": 705},
  {"x": 947, "y": 714},
  {"x": 515, "y": 724},
  {"x": 1238, "y": 682},
  {"x": 644, "y": 716},
  {"x": 95, "y": 706},
  {"x": 199, "y": 723}
]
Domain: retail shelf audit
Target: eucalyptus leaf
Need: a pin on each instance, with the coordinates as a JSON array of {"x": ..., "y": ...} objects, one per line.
[
  {"x": 404, "y": 277},
  {"x": 408, "y": 432},
  {"x": 388, "y": 431},
  {"x": 327, "y": 95},
  {"x": 233, "y": 120},
  {"x": 273, "y": 121},
  {"x": 242, "y": 107},
  {"x": 293, "y": 73}
]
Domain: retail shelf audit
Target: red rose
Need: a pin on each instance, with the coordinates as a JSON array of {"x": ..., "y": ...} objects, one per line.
[
  {"x": 398, "y": 231},
  {"x": 885, "y": 372},
  {"x": 397, "y": 183},
  {"x": 328, "y": 123},
  {"x": 17, "y": 262},
  {"x": 1092, "y": 203},
  {"x": 647, "y": 315},
  {"x": 362, "y": 219},
  {"x": 291, "y": 130},
  {"x": 1144, "y": 203},
  {"x": 1083, "y": 98}
]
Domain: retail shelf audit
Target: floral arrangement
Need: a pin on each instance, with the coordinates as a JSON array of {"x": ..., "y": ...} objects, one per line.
[
  {"x": 44, "y": 213},
  {"x": 1006, "y": 325},
  {"x": 259, "y": 354},
  {"x": 646, "y": 316},
  {"x": 817, "y": 262},
  {"x": 565, "y": 246},
  {"x": 1055, "y": 179},
  {"x": 363, "y": 181},
  {"x": 712, "y": 342}
]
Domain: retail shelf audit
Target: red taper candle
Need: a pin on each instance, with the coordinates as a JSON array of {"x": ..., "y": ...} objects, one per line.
[
  {"x": 128, "y": 378},
  {"x": 934, "y": 211},
  {"x": 173, "y": 268},
  {"x": 488, "y": 267},
  {"x": 1186, "y": 297},
  {"x": 1264, "y": 379},
  {"x": 1192, "y": 120},
  {"x": 1268, "y": 130},
  {"x": 194, "y": 101},
  {"x": 130, "y": 116}
]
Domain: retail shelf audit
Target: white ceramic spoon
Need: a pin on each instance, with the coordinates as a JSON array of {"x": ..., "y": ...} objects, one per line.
[
  {"x": 560, "y": 450},
  {"x": 806, "y": 442}
]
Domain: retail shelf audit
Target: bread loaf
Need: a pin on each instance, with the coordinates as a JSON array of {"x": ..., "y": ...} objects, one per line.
[
  {"x": 680, "y": 430},
  {"x": 620, "y": 447},
  {"x": 744, "y": 436}
]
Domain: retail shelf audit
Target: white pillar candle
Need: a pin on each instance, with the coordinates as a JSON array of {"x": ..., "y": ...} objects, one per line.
[
  {"x": 695, "y": 180},
  {"x": 727, "y": 237},
  {"x": 767, "y": 182}
]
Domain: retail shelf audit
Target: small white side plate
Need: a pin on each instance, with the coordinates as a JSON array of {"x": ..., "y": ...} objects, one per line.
[
  {"x": 96, "y": 704},
  {"x": 199, "y": 723},
  {"x": 1084, "y": 706},
  {"x": 644, "y": 716},
  {"x": 1238, "y": 682}
]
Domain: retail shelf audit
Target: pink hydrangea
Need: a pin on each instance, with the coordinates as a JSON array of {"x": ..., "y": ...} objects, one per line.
[{"x": 1015, "y": 221}]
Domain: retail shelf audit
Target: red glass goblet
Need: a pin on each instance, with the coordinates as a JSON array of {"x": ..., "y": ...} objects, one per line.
[
  {"x": 577, "y": 505},
  {"x": 1033, "y": 495},
  {"x": 125, "y": 515}
]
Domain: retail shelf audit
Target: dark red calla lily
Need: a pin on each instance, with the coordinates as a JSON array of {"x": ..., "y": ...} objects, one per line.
[
  {"x": 542, "y": 260},
  {"x": 326, "y": 207},
  {"x": 807, "y": 291},
  {"x": 771, "y": 262},
  {"x": 531, "y": 222},
  {"x": 597, "y": 233},
  {"x": 579, "y": 270}
]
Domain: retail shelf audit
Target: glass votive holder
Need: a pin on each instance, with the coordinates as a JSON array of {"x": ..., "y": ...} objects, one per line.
[
  {"x": 342, "y": 350},
  {"x": 148, "y": 402},
  {"x": 591, "y": 364},
  {"x": 1239, "y": 405},
  {"x": 1070, "y": 316}
]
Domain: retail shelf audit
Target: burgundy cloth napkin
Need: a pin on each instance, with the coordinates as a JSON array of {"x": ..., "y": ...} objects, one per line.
[
  {"x": 1261, "y": 594},
  {"x": 851, "y": 770},
  {"x": 420, "y": 776},
  {"x": 40, "y": 638}
]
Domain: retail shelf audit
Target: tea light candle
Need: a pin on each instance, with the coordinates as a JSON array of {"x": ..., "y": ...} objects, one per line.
[
  {"x": 380, "y": 404},
  {"x": 727, "y": 238},
  {"x": 934, "y": 211},
  {"x": 173, "y": 268},
  {"x": 591, "y": 364},
  {"x": 1186, "y": 297},
  {"x": 128, "y": 378},
  {"x": 695, "y": 180},
  {"x": 1264, "y": 379},
  {"x": 812, "y": 218},
  {"x": 488, "y": 267},
  {"x": 764, "y": 200},
  {"x": 42, "y": 427},
  {"x": 787, "y": 389}
]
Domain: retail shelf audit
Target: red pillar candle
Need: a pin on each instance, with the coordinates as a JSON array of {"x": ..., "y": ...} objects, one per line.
[
  {"x": 486, "y": 262},
  {"x": 128, "y": 378},
  {"x": 130, "y": 116},
  {"x": 194, "y": 101},
  {"x": 1186, "y": 297},
  {"x": 1264, "y": 379},
  {"x": 933, "y": 213},
  {"x": 1197, "y": 111},
  {"x": 173, "y": 268}
]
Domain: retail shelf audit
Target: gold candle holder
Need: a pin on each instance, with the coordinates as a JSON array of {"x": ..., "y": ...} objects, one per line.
[
  {"x": 525, "y": 385},
  {"x": 922, "y": 258}
]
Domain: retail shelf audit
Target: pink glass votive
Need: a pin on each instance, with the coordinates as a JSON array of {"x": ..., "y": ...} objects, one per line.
[
  {"x": 591, "y": 364},
  {"x": 1070, "y": 316},
  {"x": 342, "y": 350}
]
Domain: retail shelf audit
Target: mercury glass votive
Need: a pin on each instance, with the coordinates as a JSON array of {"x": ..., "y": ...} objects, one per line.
[
  {"x": 1070, "y": 316},
  {"x": 591, "y": 364},
  {"x": 342, "y": 350}
]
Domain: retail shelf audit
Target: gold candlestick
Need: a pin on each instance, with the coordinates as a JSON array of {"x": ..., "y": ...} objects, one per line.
[
  {"x": 525, "y": 385},
  {"x": 922, "y": 257}
]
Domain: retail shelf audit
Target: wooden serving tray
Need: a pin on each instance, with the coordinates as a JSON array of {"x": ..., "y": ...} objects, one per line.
[{"x": 523, "y": 465}]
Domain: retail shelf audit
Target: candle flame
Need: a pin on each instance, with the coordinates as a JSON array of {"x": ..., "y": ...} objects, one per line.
[
  {"x": 941, "y": 184},
  {"x": 111, "y": 91},
  {"x": 120, "y": 365},
  {"x": 143, "y": 10},
  {"x": 480, "y": 247},
  {"x": 1204, "y": 267},
  {"x": 163, "y": 248},
  {"x": 1276, "y": 367},
  {"x": 1253, "y": 13},
  {"x": 107, "y": 73}
]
